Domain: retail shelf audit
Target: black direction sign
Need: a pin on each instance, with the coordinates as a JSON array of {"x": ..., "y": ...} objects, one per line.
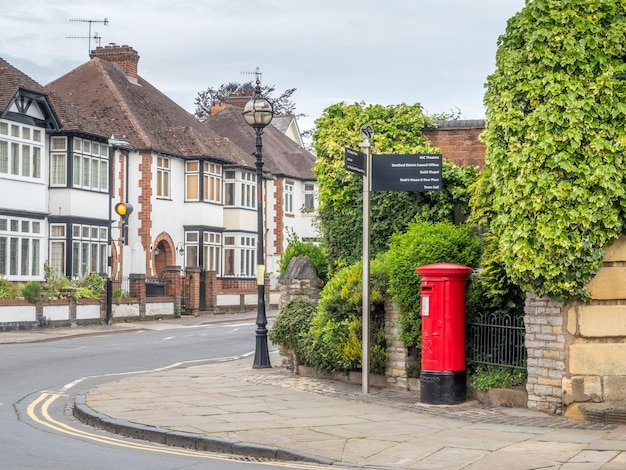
[
  {"x": 354, "y": 161},
  {"x": 420, "y": 172}
]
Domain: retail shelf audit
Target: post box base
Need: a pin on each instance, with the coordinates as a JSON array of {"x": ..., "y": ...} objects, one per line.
[{"x": 443, "y": 387}]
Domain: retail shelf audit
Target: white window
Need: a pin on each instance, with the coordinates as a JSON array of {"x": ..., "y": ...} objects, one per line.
[
  {"x": 20, "y": 248},
  {"x": 57, "y": 248},
  {"x": 240, "y": 188},
  {"x": 212, "y": 182},
  {"x": 240, "y": 256},
  {"x": 212, "y": 250},
  {"x": 20, "y": 151},
  {"x": 309, "y": 197},
  {"x": 89, "y": 249},
  {"x": 163, "y": 177},
  {"x": 191, "y": 248},
  {"x": 90, "y": 166},
  {"x": 192, "y": 182},
  {"x": 289, "y": 197}
]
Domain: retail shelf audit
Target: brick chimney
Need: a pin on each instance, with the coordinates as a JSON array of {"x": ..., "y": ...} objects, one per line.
[{"x": 124, "y": 56}]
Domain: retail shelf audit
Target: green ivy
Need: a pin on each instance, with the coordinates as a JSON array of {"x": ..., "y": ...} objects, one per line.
[
  {"x": 397, "y": 130},
  {"x": 553, "y": 191}
]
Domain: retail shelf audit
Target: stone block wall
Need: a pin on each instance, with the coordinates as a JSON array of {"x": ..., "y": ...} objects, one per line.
[{"x": 596, "y": 340}]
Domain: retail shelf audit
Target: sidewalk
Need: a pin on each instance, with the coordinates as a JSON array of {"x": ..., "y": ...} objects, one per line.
[
  {"x": 300, "y": 418},
  {"x": 229, "y": 407}
]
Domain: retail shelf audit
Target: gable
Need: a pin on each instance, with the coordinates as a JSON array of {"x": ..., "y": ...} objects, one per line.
[{"x": 30, "y": 108}]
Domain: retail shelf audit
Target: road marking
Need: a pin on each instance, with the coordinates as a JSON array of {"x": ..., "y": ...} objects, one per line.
[
  {"x": 45, "y": 400},
  {"x": 70, "y": 385}
]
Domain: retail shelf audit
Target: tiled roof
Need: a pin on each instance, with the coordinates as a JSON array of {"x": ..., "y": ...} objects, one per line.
[
  {"x": 12, "y": 80},
  {"x": 138, "y": 113},
  {"x": 281, "y": 155}
]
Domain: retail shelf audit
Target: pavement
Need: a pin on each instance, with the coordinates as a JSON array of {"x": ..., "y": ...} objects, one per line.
[{"x": 271, "y": 414}]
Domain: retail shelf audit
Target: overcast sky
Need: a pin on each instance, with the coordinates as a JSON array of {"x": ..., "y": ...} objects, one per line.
[{"x": 434, "y": 52}]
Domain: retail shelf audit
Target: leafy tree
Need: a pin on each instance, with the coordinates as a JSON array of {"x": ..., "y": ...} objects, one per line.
[
  {"x": 397, "y": 130},
  {"x": 205, "y": 100},
  {"x": 553, "y": 190}
]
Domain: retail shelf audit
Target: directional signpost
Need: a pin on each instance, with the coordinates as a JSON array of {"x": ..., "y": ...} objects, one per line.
[{"x": 420, "y": 172}]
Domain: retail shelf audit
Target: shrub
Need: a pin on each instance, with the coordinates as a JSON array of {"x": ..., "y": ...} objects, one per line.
[
  {"x": 291, "y": 324},
  {"x": 334, "y": 340},
  {"x": 32, "y": 291},
  {"x": 423, "y": 244},
  {"x": 297, "y": 247}
]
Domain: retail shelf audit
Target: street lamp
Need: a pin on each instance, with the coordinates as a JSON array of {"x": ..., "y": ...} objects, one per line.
[{"x": 258, "y": 113}]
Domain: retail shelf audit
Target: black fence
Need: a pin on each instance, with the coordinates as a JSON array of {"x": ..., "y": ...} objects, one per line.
[{"x": 497, "y": 340}]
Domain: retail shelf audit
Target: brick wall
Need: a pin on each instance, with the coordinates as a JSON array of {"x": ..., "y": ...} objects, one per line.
[
  {"x": 144, "y": 211},
  {"x": 279, "y": 211},
  {"x": 459, "y": 141}
]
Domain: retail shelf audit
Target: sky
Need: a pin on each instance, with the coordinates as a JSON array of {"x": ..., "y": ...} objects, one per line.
[{"x": 434, "y": 52}]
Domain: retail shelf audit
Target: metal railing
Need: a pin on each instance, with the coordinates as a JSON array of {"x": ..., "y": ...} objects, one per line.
[{"x": 497, "y": 340}]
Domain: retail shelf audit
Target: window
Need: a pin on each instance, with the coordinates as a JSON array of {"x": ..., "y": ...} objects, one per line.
[
  {"x": 57, "y": 248},
  {"x": 212, "y": 250},
  {"x": 212, "y": 182},
  {"x": 191, "y": 248},
  {"x": 90, "y": 166},
  {"x": 20, "y": 248},
  {"x": 89, "y": 248},
  {"x": 240, "y": 256},
  {"x": 240, "y": 188},
  {"x": 192, "y": 181},
  {"x": 163, "y": 177},
  {"x": 309, "y": 197},
  {"x": 289, "y": 197},
  {"x": 248, "y": 189},
  {"x": 20, "y": 151}
]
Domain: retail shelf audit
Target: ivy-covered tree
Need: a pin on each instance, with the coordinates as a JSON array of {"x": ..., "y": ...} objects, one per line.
[
  {"x": 397, "y": 130},
  {"x": 553, "y": 190}
]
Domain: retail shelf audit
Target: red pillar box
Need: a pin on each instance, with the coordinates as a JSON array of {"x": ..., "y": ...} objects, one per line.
[{"x": 443, "y": 379}]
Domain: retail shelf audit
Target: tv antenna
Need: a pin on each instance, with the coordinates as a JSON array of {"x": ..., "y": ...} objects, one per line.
[
  {"x": 89, "y": 37},
  {"x": 256, "y": 72}
]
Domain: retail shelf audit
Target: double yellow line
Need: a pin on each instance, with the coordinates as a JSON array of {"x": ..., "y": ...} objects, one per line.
[{"x": 45, "y": 400}]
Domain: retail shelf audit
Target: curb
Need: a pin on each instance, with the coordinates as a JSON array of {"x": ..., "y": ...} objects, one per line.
[{"x": 88, "y": 416}]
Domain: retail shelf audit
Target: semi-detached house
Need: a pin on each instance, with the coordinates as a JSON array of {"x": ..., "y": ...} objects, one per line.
[{"x": 100, "y": 135}]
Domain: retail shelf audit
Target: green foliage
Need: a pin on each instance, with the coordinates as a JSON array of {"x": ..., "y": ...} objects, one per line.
[
  {"x": 296, "y": 247},
  {"x": 334, "y": 340},
  {"x": 32, "y": 291},
  {"x": 488, "y": 377},
  {"x": 423, "y": 244},
  {"x": 292, "y": 324},
  {"x": 553, "y": 190},
  {"x": 398, "y": 130},
  {"x": 119, "y": 294},
  {"x": 93, "y": 283},
  {"x": 8, "y": 289}
]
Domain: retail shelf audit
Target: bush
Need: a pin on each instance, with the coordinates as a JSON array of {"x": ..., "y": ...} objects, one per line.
[
  {"x": 292, "y": 324},
  {"x": 32, "y": 291},
  {"x": 424, "y": 244},
  {"x": 334, "y": 341},
  {"x": 8, "y": 289},
  {"x": 296, "y": 247}
]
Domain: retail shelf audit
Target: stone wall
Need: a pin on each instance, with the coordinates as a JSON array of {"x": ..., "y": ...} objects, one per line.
[
  {"x": 545, "y": 342},
  {"x": 397, "y": 356},
  {"x": 596, "y": 342}
]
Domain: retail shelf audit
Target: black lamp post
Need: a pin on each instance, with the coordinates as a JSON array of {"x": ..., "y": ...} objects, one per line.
[{"x": 258, "y": 113}]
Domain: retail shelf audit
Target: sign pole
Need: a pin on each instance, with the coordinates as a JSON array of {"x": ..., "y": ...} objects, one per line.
[{"x": 367, "y": 133}]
